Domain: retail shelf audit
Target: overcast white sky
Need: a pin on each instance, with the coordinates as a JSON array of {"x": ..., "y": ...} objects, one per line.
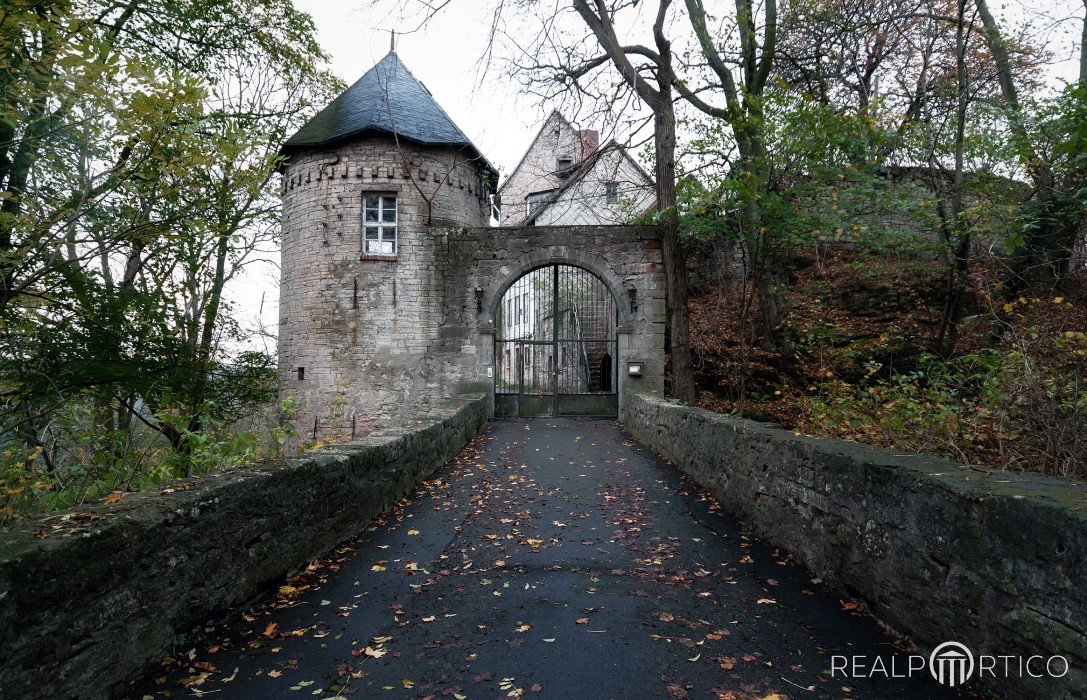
[
  {"x": 444, "y": 57},
  {"x": 500, "y": 121}
]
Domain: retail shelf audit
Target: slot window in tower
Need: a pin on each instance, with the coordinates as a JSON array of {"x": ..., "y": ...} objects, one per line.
[{"x": 379, "y": 224}]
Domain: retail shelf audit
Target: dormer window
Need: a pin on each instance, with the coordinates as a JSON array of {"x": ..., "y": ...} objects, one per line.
[
  {"x": 534, "y": 201},
  {"x": 379, "y": 224}
]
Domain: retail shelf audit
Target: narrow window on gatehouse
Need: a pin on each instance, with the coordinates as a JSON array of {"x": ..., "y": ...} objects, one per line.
[{"x": 379, "y": 224}]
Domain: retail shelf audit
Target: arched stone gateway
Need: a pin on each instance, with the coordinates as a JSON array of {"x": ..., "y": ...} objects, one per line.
[
  {"x": 554, "y": 342},
  {"x": 612, "y": 274}
]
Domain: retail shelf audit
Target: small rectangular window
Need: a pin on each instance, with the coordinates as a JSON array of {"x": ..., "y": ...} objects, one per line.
[
  {"x": 611, "y": 190},
  {"x": 563, "y": 164},
  {"x": 379, "y": 224},
  {"x": 536, "y": 200},
  {"x": 301, "y": 373}
]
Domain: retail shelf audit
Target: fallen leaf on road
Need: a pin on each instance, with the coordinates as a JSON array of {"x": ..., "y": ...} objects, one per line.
[
  {"x": 666, "y": 617},
  {"x": 270, "y": 630},
  {"x": 274, "y": 674},
  {"x": 766, "y": 601},
  {"x": 583, "y": 621},
  {"x": 677, "y": 691}
]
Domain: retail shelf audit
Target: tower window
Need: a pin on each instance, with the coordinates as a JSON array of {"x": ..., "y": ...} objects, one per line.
[
  {"x": 379, "y": 224},
  {"x": 611, "y": 191},
  {"x": 563, "y": 164},
  {"x": 301, "y": 373}
]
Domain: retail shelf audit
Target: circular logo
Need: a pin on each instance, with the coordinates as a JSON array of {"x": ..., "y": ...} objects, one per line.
[{"x": 951, "y": 664}]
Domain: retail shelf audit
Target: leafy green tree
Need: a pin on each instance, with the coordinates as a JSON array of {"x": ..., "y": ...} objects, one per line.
[{"x": 138, "y": 148}]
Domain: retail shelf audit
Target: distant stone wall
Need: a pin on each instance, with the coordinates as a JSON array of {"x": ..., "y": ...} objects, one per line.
[
  {"x": 997, "y": 561},
  {"x": 82, "y": 613}
]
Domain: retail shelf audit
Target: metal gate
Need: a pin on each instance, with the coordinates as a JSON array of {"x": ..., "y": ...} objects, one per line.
[{"x": 555, "y": 346}]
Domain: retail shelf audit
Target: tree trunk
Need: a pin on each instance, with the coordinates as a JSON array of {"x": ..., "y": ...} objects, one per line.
[
  {"x": 1047, "y": 244},
  {"x": 675, "y": 261},
  {"x": 773, "y": 328},
  {"x": 956, "y": 232},
  {"x": 1083, "y": 48}
]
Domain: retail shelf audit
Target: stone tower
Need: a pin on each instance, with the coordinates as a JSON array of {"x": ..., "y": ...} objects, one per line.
[{"x": 372, "y": 186}]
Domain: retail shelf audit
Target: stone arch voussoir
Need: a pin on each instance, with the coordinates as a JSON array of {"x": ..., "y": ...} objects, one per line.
[{"x": 513, "y": 270}]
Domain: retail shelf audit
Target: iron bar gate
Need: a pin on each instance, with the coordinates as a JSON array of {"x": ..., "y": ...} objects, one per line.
[{"x": 556, "y": 345}]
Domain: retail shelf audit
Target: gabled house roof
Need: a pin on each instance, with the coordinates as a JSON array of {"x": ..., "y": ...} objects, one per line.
[
  {"x": 583, "y": 169},
  {"x": 555, "y": 114},
  {"x": 387, "y": 99}
]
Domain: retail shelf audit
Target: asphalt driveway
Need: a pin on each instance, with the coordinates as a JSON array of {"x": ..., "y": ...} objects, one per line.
[{"x": 551, "y": 559}]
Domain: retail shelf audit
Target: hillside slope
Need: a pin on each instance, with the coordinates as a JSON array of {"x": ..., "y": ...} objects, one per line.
[{"x": 1014, "y": 395}]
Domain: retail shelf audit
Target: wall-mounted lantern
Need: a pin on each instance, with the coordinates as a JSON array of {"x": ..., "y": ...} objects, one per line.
[
  {"x": 635, "y": 368},
  {"x": 479, "y": 299},
  {"x": 632, "y": 292}
]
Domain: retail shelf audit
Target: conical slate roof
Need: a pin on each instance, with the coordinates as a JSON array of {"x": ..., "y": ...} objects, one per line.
[{"x": 389, "y": 99}]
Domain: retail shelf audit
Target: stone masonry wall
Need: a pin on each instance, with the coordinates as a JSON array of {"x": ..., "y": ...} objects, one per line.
[
  {"x": 360, "y": 327},
  {"x": 82, "y": 613},
  {"x": 997, "y": 561}
]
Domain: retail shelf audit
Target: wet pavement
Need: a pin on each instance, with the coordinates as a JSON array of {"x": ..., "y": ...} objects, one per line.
[{"x": 551, "y": 559}]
